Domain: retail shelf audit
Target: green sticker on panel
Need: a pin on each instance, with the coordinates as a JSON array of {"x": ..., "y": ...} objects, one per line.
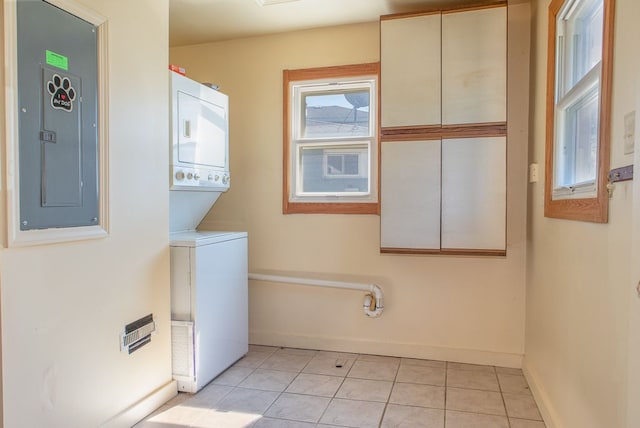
[{"x": 57, "y": 60}]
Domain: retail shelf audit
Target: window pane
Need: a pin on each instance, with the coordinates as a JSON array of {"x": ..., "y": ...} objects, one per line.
[
  {"x": 334, "y": 169},
  {"x": 586, "y": 153},
  {"x": 343, "y": 164},
  {"x": 582, "y": 39},
  {"x": 579, "y": 156},
  {"x": 351, "y": 164},
  {"x": 335, "y": 165},
  {"x": 336, "y": 114}
]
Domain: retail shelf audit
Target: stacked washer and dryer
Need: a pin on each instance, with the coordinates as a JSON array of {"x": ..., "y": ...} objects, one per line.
[{"x": 209, "y": 270}]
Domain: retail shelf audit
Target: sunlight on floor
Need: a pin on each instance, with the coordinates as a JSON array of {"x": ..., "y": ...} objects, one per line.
[{"x": 184, "y": 415}]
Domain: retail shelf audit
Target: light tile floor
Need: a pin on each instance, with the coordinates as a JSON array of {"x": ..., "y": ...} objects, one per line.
[{"x": 298, "y": 388}]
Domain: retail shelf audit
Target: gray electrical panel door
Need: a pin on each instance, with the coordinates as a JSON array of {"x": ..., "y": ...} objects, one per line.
[{"x": 58, "y": 117}]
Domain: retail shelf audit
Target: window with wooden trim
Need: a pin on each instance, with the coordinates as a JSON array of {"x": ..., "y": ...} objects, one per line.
[
  {"x": 578, "y": 109},
  {"x": 331, "y": 140}
]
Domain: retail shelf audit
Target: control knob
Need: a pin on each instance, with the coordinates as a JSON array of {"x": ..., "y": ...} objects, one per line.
[
  {"x": 196, "y": 176},
  {"x": 180, "y": 175},
  {"x": 189, "y": 176},
  {"x": 225, "y": 179}
]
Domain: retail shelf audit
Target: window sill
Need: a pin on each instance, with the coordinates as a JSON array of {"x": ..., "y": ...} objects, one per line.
[
  {"x": 331, "y": 208},
  {"x": 594, "y": 210}
]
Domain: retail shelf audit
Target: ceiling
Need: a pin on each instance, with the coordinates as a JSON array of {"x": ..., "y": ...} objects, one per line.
[{"x": 202, "y": 21}]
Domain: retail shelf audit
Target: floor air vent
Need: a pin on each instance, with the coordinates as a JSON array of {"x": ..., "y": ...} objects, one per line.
[
  {"x": 182, "y": 355},
  {"x": 137, "y": 334}
]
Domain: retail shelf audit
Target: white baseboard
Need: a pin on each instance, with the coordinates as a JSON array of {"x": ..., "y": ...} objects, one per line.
[
  {"x": 130, "y": 416},
  {"x": 542, "y": 399},
  {"x": 407, "y": 350}
]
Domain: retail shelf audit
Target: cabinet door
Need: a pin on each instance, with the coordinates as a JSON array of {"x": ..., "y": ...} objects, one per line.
[
  {"x": 410, "y": 70},
  {"x": 474, "y": 193},
  {"x": 474, "y": 66},
  {"x": 410, "y": 195}
]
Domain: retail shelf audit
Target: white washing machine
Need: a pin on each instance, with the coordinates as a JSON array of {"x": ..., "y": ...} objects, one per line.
[
  {"x": 209, "y": 295},
  {"x": 209, "y": 304}
]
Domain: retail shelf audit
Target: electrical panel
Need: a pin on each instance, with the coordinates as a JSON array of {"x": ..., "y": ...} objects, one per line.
[{"x": 58, "y": 117}]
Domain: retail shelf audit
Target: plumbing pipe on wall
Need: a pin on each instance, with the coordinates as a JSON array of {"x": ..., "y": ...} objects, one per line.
[{"x": 373, "y": 300}]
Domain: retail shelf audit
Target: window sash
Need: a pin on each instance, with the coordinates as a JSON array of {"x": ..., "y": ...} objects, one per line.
[
  {"x": 577, "y": 51},
  {"x": 565, "y": 139},
  {"x": 297, "y": 193},
  {"x": 298, "y": 90}
]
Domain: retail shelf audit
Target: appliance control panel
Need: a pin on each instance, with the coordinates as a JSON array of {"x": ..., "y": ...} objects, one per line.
[{"x": 199, "y": 179}]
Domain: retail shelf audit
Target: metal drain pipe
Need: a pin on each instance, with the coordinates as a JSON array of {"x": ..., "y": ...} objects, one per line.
[{"x": 373, "y": 300}]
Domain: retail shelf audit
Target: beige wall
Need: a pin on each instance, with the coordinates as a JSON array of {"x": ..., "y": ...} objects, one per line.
[
  {"x": 633, "y": 377},
  {"x": 2, "y": 204},
  {"x": 579, "y": 273},
  {"x": 462, "y": 308},
  {"x": 64, "y": 306}
]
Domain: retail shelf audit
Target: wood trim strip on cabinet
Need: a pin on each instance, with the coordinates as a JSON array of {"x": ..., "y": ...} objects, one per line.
[
  {"x": 409, "y": 14},
  {"x": 430, "y": 132},
  {"x": 387, "y": 250},
  {"x": 477, "y": 7},
  {"x": 431, "y": 11},
  {"x": 495, "y": 129},
  {"x": 437, "y": 132},
  {"x": 472, "y": 252},
  {"x": 445, "y": 252}
]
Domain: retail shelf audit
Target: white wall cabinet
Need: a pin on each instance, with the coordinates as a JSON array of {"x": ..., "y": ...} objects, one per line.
[
  {"x": 410, "y": 196},
  {"x": 410, "y": 70},
  {"x": 474, "y": 66},
  {"x": 444, "y": 148},
  {"x": 447, "y": 68},
  {"x": 474, "y": 172}
]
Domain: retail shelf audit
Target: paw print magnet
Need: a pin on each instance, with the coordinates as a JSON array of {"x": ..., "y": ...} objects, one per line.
[{"x": 62, "y": 93}]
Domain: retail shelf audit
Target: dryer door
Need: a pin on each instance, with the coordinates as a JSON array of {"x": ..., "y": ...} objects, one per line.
[{"x": 202, "y": 132}]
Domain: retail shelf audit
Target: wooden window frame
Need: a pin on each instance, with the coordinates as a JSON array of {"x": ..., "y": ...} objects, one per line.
[
  {"x": 344, "y": 71},
  {"x": 593, "y": 209}
]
